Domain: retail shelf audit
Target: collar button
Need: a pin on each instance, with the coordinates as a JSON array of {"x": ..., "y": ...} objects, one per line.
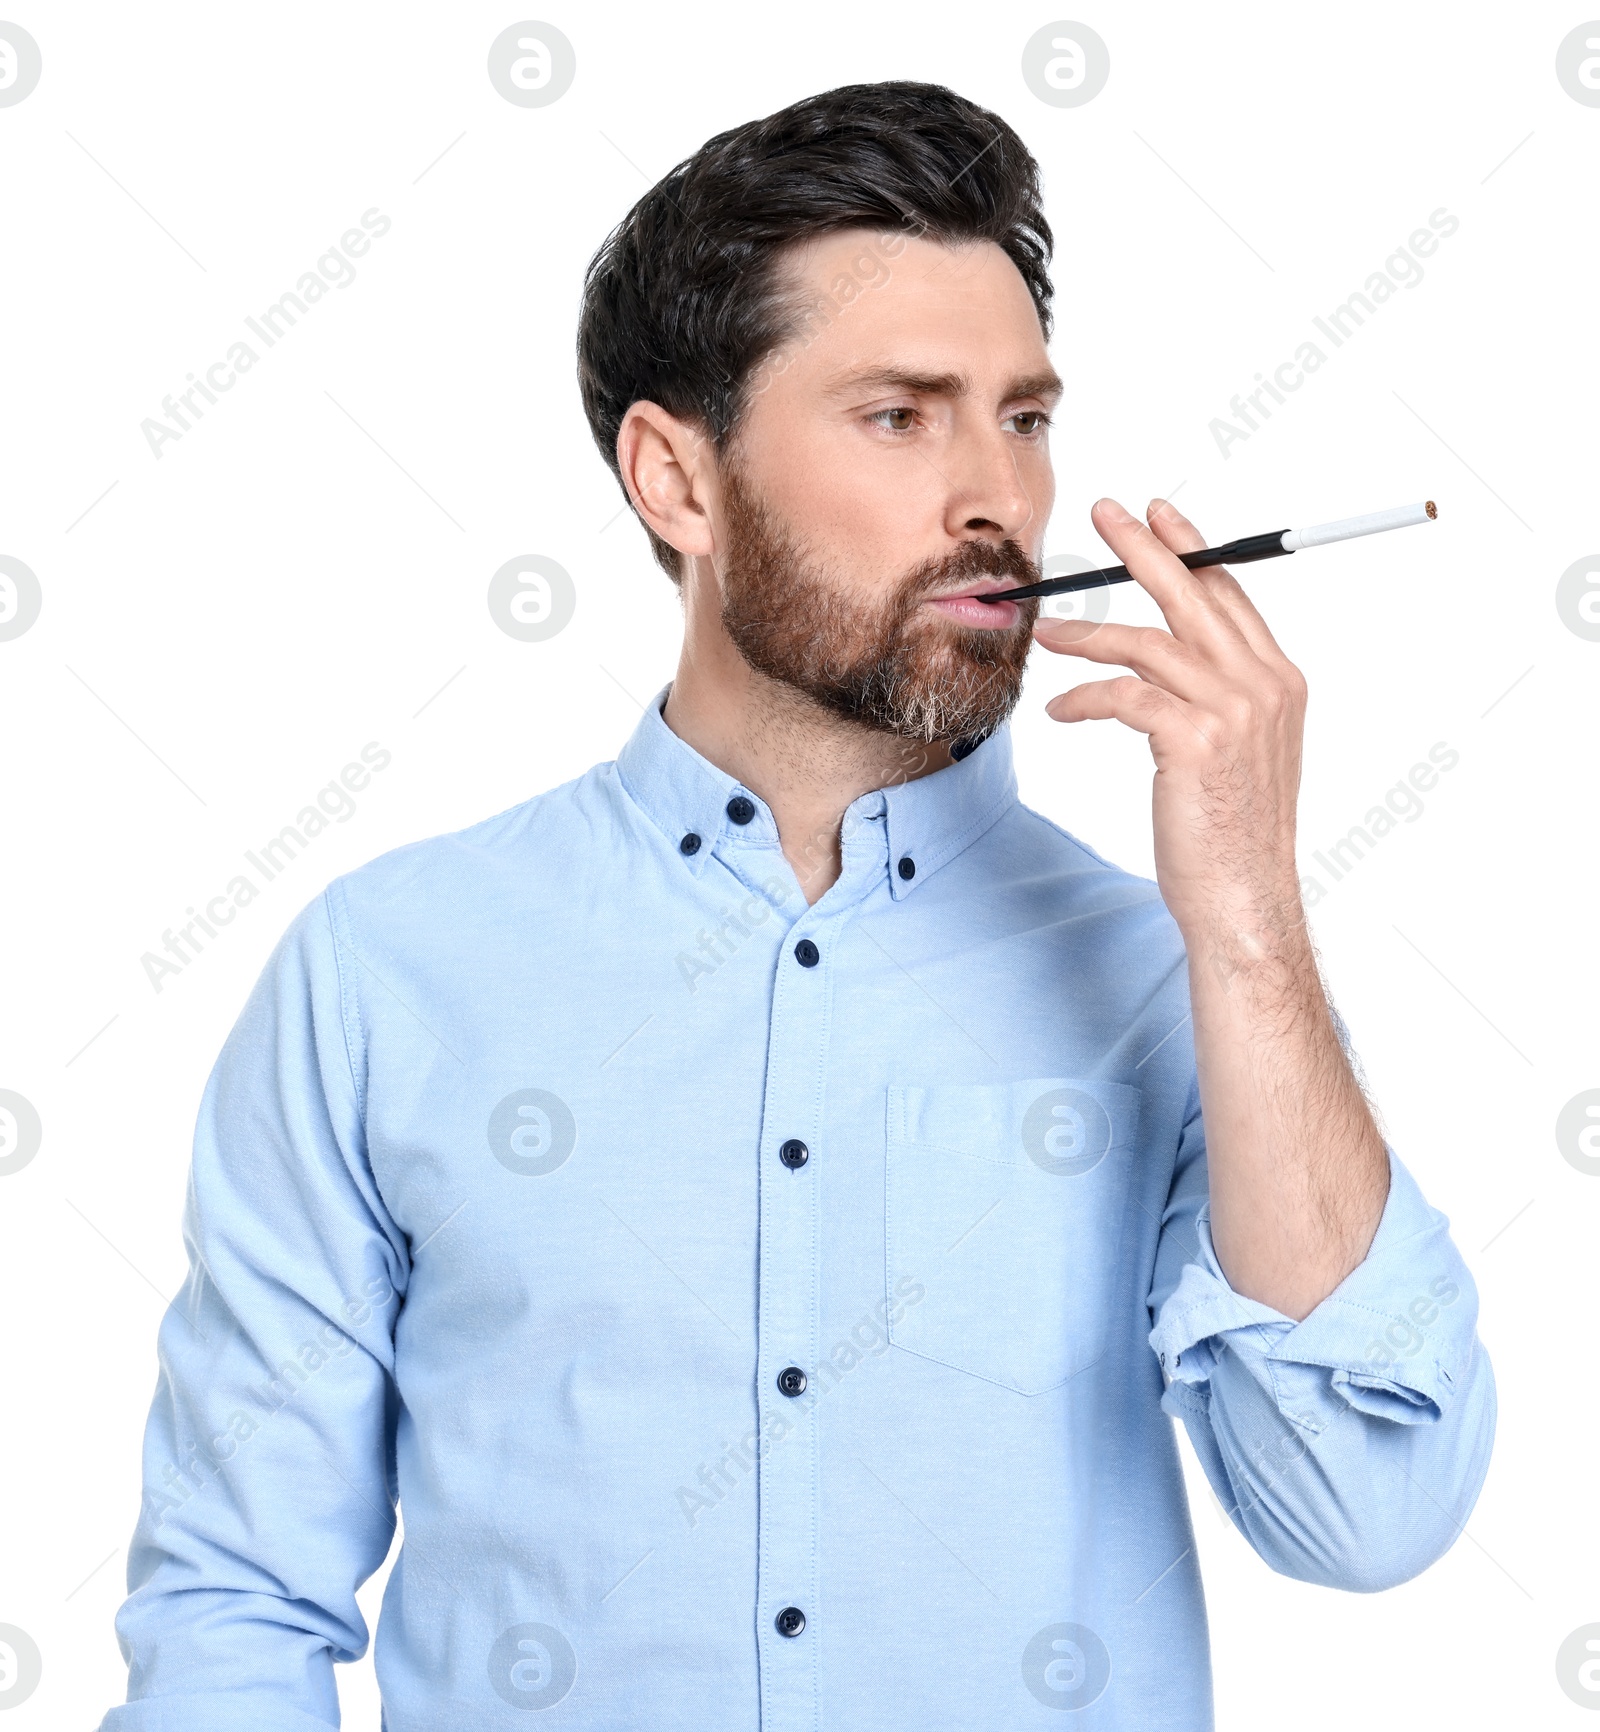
[
  {"x": 907, "y": 868},
  {"x": 741, "y": 810}
]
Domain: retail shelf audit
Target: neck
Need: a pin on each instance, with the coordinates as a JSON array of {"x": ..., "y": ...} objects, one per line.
[{"x": 806, "y": 763}]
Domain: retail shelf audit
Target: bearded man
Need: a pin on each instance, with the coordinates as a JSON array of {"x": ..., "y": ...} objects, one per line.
[{"x": 759, "y": 1208}]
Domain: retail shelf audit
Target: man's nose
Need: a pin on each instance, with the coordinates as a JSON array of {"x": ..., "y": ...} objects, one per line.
[{"x": 988, "y": 496}]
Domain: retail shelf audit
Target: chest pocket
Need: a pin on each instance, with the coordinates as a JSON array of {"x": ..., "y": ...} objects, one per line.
[{"x": 1006, "y": 1203}]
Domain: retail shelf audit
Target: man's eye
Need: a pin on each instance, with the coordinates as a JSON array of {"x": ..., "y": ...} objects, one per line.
[
  {"x": 1036, "y": 418},
  {"x": 897, "y": 420}
]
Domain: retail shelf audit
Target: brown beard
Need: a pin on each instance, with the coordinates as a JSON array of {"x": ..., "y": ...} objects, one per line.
[{"x": 883, "y": 664}]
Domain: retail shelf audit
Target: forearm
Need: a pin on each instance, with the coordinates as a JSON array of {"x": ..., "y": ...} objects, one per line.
[
  {"x": 1299, "y": 1172},
  {"x": 1298, "y": 1169}
]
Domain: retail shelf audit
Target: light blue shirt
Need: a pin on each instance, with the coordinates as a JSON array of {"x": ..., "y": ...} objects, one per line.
[{"x": 539, "y": 1156}]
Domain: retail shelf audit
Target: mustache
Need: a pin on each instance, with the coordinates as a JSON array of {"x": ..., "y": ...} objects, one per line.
[{"x": 973, "y": 559}]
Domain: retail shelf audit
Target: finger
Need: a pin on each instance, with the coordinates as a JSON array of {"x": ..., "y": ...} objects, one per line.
[
  {"x": 1174, "y": 529},
  {"x": 1130, "y": 700},
  {"x": 1178, "y": 533},
  {"x": 1178, "y": 731},
  {"x": 1153, "y": 654},
  {"x": 1177, "y": 591}
]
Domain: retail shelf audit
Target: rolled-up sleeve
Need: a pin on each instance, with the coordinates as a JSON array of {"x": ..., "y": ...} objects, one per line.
[
  {"x": 268, "y": 1457},
  {"x": 1348, "y": 1447}
]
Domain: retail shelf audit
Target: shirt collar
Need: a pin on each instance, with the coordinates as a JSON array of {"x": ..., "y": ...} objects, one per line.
[
  {"x": 929, "y": 821},
  {"x": 936, "y": 817}
]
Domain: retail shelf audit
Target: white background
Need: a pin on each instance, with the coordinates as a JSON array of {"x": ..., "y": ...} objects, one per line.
[{"x": 305, "y": 571}]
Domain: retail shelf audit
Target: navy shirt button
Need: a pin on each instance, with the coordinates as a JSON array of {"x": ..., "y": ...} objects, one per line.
[
  {"x": 741, "y": 810},
  {"x": 791, "y": 1381},
  {"x": 790, "y": 1621},
  {"x": 794, "y": 1154},
  {"x": 807, "y": 954},
  {"x": 690, "y": 844},
  {"x": 907, "y": 867}
]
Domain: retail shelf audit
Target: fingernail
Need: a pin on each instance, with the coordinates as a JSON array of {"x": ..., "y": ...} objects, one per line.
[
  {"x": 1114, "y": 511},
  {"x": 1155, "y": 506}
]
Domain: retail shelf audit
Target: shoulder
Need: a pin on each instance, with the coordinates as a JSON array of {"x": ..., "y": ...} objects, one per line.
[
  {"x": 1053, "y": 883},
  {"x": 1040, "y": 845},
  {"x": 523, "y": 847},
  {"x": 1071, "y": 851}
]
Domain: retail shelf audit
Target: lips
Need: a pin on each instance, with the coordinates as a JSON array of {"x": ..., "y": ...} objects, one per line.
[
  {"x": 967, "y": 607},
  {"x": 981, "y": 586},
  {"x": 963, "y": 604}
]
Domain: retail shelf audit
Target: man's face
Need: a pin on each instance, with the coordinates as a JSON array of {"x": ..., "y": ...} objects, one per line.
[{"x": 892, "y": 464}]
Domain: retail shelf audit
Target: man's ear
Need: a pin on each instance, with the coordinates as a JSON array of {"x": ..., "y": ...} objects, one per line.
[{"x": 668, "y": 467}]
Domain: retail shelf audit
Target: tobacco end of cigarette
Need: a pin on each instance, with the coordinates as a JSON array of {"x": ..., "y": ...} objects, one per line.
[{"x": 1431, "y": 509}]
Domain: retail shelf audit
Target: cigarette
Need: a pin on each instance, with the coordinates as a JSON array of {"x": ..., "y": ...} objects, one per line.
[
  {"x": 1242, "y": 552},
  {"x": 1348, "y": 528}
]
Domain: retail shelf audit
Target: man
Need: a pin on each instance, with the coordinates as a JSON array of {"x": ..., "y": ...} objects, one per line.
[{"x": 756, "y": 1206}]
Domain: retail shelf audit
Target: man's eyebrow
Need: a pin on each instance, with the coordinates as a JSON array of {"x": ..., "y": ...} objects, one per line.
[
  {"x": 872, "y": 379},
  {"x": 1047, "y": 384}
]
